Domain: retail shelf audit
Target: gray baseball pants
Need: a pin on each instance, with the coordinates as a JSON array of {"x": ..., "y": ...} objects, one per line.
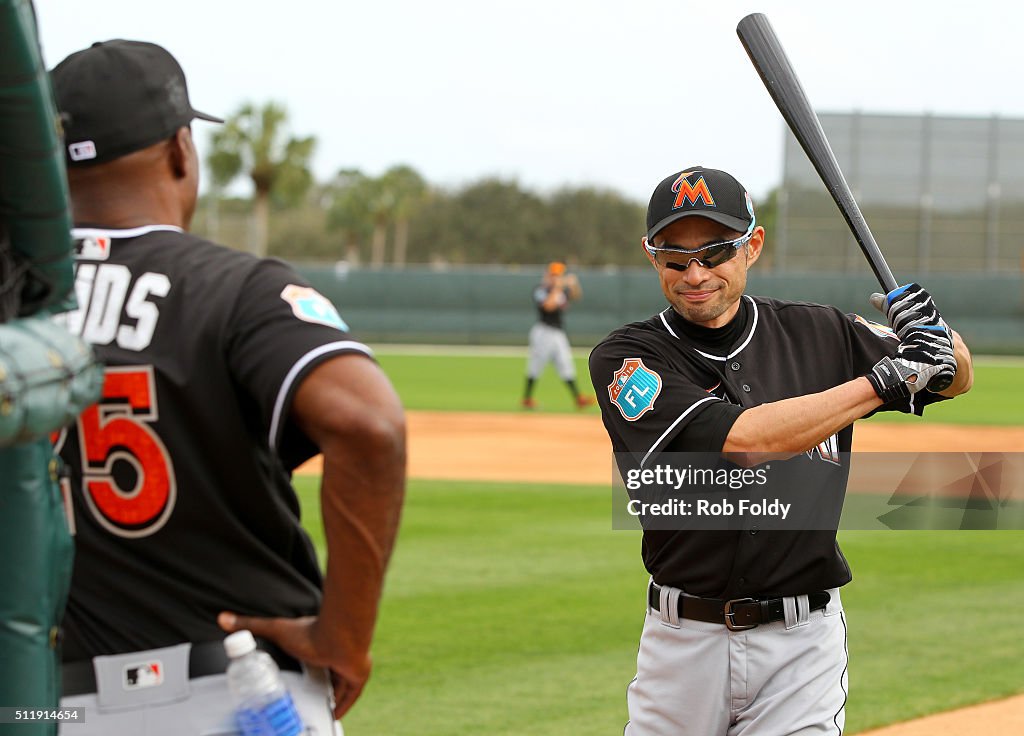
[
  {"x": 786, "y": 678},
  {"x": 550, "y": 345},
  {"x": 203, "y": 706}
]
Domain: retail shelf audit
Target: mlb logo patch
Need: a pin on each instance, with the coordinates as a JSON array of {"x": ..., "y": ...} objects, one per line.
[
  {"x": 93, "y": 248},
  {"x": 144, "y": 674},
  {"x": 634, "y": 388},
  {"x": 310, "y": 305},
  {"x": 82, "y": 151}
]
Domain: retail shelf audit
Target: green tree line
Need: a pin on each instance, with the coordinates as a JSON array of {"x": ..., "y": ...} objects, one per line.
[{"x": 398, "y": 217}]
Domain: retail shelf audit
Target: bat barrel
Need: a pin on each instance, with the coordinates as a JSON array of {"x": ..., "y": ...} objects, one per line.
[{"x": 780, "y": 79}]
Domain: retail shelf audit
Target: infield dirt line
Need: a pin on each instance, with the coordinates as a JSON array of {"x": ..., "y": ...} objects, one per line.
[
  {"x": 568, "y": 448},
  {"x": 996, "y": 717}
]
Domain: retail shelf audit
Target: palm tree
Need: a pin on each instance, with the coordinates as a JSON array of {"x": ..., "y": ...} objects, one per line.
[
  {"x": 348, "y": 202},
  {"x": 254, "y": 141},
  {"x": 381, "y": 200},
  {"x": 408, "y": 191}
]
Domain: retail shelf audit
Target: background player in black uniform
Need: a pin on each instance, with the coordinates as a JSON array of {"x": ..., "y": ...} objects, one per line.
[
  {"x": 723, "y": 372},
  {"x": 548, "y": 340},
  {"x": 224, "y": 372}
]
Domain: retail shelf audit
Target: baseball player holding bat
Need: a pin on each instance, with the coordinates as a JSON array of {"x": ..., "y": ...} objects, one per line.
[
  {"x": 548, "y": 341},
  {"x": 224, "y": 372},
  {"x": 745, "y": 631}
]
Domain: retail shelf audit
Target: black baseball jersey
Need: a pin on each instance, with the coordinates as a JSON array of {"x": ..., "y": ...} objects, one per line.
[
  {"x": 552, "y": 318},
  {"x": 180, "y": 475},
  {"x": 667, "y": 385}
]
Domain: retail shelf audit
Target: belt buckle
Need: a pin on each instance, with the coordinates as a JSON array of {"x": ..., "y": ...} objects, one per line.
[{"x": 729, "y": 614}]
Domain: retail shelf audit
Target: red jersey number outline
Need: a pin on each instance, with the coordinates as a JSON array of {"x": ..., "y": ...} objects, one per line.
[{"x": 118, "y": 429}]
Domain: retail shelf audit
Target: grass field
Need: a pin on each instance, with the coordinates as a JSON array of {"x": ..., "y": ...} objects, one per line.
[
  {"x": 495, "y": 383},
  {"x": 514, "y": 609}
]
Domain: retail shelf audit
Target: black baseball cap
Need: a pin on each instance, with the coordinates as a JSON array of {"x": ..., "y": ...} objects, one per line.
[
  {"x": 117, "y": 97},
  {"x": 708, "y": 193}
]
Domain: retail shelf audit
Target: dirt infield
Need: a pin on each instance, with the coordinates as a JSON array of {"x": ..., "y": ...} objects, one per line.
[
  {"x": 561, "y": 448},
  {"x": 997, "y": 717},
  {"x": 566, "y": 448}
]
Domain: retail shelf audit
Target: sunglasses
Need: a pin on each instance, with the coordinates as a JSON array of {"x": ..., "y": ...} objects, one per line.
[{"x": 708, "y": 256}]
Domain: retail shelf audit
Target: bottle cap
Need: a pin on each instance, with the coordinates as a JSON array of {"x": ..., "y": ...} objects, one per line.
[{"x": 240, "y": 643}]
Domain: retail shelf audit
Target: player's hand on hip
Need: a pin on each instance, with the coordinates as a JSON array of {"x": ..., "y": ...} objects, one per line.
[
  {"x": 907, "y": 307},
  {"x": 923, "y": 360},
  {"x": 304, "y": 639}
]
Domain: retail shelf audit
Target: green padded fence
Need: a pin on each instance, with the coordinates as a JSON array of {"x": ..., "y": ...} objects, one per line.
[{"x": 479, "y": 306}]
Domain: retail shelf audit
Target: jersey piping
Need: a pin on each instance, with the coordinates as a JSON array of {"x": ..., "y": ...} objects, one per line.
[
  {"x": 734, "y": 353},
  {"x": 667, "y": 326},
  {"x": 296, "y": 370},
  {"x": 672, "y": 426},
  {"x": 750, "y": 336},
  {"x": 93, "y": 232},
  {"x": 737, "y": 351}
]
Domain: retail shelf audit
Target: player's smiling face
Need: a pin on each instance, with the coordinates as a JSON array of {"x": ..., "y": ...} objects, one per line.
[{"x": 705, "y": 296}]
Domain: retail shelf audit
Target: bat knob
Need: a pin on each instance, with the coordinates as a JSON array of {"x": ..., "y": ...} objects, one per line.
[{"x": 940, "y": 383}]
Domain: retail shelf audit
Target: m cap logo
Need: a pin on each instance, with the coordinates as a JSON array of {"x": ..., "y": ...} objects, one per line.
[
  {"x": 687, "y": 192},
  {"x": 634, "y": 388}
]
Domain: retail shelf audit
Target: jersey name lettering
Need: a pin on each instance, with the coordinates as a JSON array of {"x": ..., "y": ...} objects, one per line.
[
  {"x": 114, "y": 310},
  {"x": 827, "y": 451}
]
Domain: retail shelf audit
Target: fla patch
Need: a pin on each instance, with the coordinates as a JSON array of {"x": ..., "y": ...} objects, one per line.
[
  {"x": 880, "y": 330},
  {"x": 310, "y": 305},
  {"x": 634, "y": 388}
]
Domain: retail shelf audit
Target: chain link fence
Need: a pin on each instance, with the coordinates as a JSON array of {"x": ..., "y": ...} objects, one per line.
[{"x": 942, "y": 195}]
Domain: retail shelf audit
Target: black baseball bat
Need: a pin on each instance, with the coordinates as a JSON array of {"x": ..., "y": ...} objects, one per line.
[
  {"x": 769, "y": 58},
  {"x": 780, "y": 79}
]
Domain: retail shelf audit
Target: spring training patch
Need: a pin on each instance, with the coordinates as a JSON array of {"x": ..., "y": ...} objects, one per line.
[
  {"x": 310, "y": 305},
  {"x": 634, "y": 388}
]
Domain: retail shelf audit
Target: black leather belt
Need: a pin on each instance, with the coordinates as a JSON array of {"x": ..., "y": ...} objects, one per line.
[
  {"x": 208, "y": 658},
  {"x": 738, "y": 614}
]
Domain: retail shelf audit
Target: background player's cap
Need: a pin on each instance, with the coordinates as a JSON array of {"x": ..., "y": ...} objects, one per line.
[
  {"x": 698, "y": 191},
  {"x": 116, "y": 97},
  {"x": 556, "y": 268}
]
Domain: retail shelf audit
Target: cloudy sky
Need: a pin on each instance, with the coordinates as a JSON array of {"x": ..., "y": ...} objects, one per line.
[{"x": 555, "y": 92}]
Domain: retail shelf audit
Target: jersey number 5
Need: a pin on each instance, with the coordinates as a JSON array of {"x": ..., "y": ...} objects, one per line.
[{"x": 128, "y": 477}]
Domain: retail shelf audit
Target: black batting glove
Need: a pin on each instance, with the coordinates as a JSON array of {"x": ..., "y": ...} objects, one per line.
[
  {"x": 925, "y": 353},
  {"x": 931, "y": 344},
  {"x": 907, "y": 307}
]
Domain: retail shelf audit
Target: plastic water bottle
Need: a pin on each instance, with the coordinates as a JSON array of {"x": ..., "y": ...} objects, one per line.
[{"x": 265, "y": 706}]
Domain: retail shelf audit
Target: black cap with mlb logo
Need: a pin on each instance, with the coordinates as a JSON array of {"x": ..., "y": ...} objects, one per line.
[
  {"x": 708, "y": 193},
  {"x": 117, "y": 97}
]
